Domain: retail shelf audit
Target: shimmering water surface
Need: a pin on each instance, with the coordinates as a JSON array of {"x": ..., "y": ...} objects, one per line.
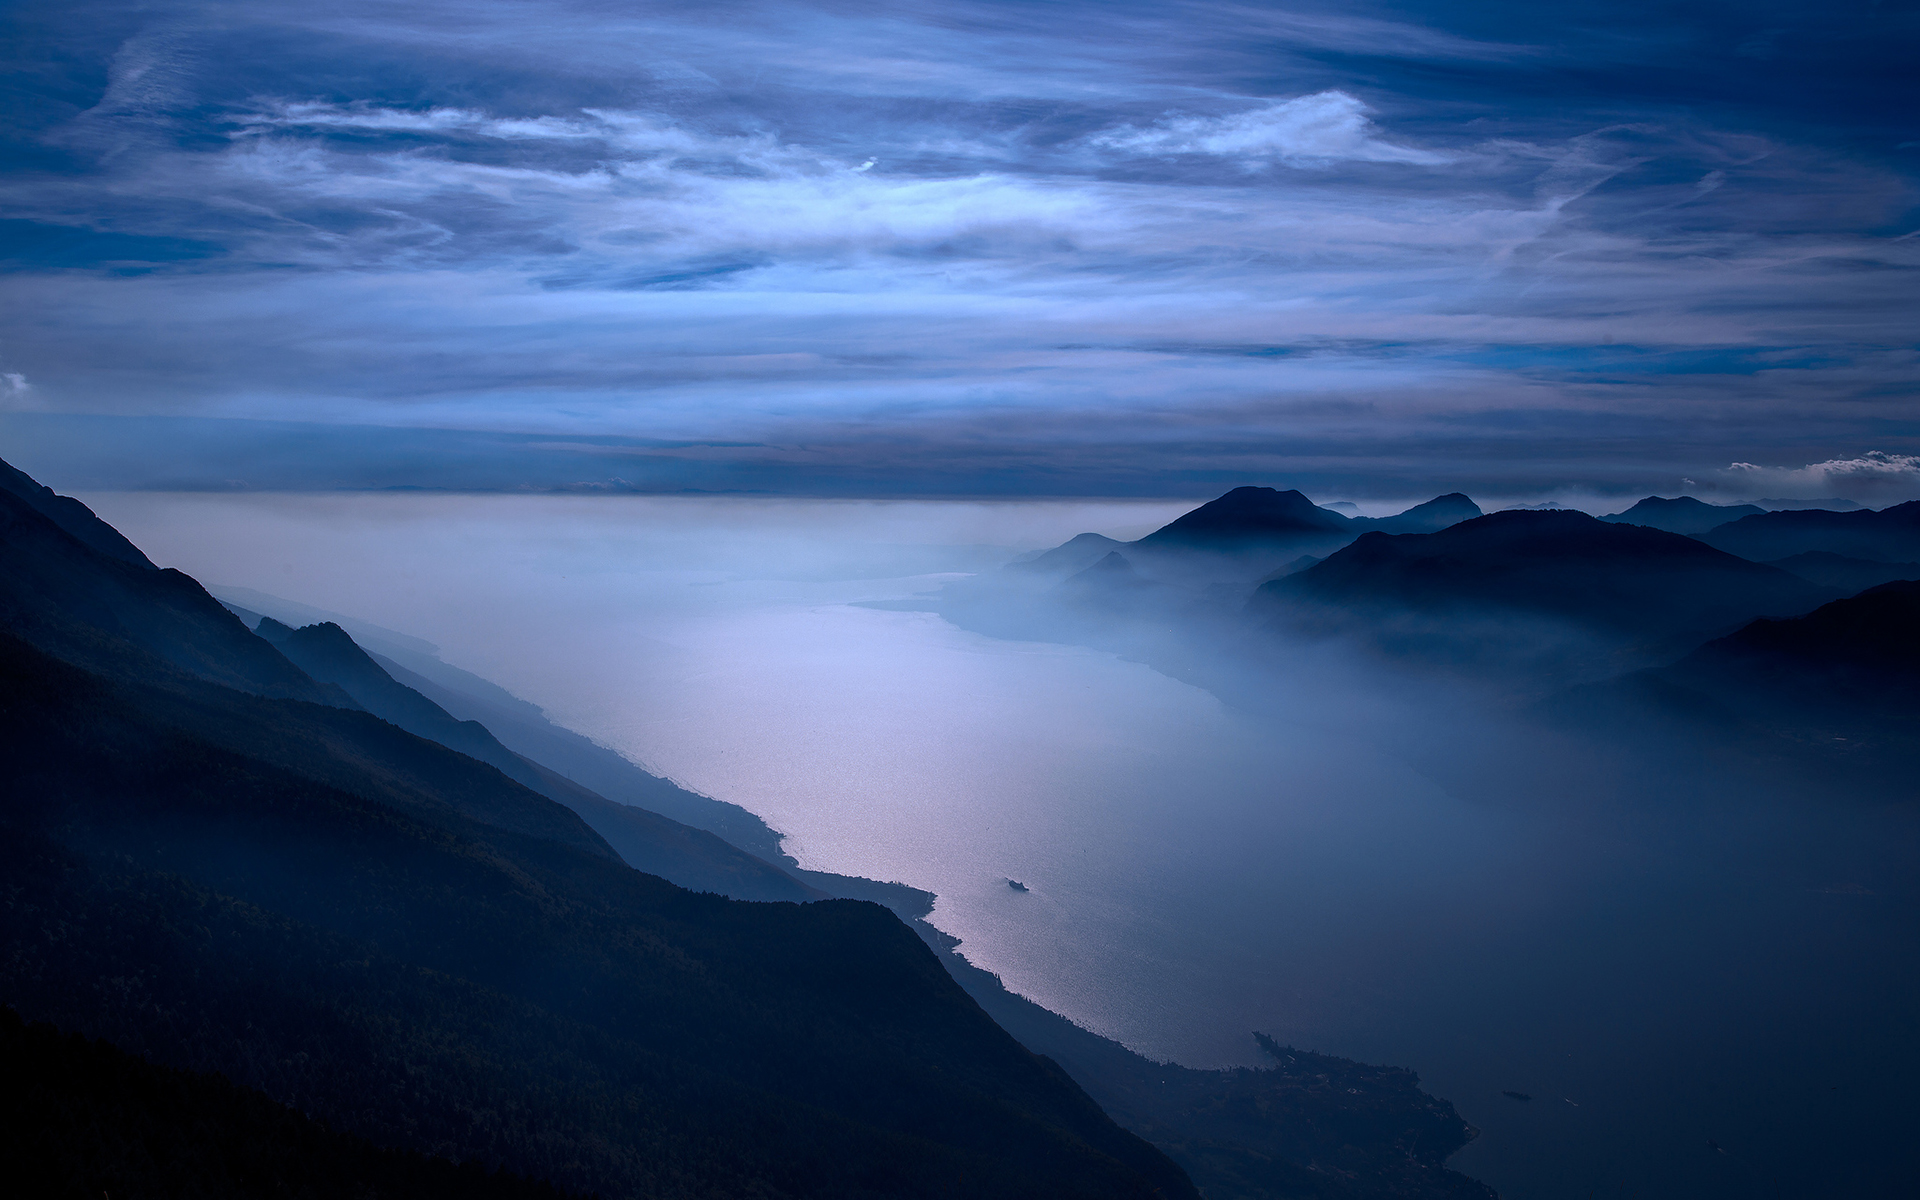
[{"x": 1659, "y": 986}]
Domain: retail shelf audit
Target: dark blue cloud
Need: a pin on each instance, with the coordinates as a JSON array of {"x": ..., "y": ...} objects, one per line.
[{"x": 987, "y": 247}]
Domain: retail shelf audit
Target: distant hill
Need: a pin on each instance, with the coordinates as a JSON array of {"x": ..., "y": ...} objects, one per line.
[
  {"x": 1858, "y": 657},
  {"x": 1434, "y": 515},
  {"x": 1831, "y": 697},
  {"x": 1554, "y": 591},
  {"x": 1888, "y": 535},
  {"x": 1836, "y": 503},
  {"x": 1682, "y": 514},
  {"x": 1245, "y": 534},
  {"x": 1251, "y": 520},
  {"x": 1072, "y": 556},
  {"x": 1844, "y": 574}
]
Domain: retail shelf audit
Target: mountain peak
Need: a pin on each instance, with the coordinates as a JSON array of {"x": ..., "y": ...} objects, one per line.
[
  {"x": 1432, "y": 516},
  {"x": 1247, "y": 516},
  {"x": 1682, "y": 514}
]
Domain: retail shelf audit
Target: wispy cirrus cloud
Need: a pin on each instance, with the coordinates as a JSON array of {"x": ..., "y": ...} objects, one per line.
[{"x": 995, "y": 232}]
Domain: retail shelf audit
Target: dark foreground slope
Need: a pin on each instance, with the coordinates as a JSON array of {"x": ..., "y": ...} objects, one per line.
[
  {"x": 404, "y": 942},
  {"x": 82, "y": 1119}
]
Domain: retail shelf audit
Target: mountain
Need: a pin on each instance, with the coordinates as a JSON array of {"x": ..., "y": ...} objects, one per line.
[
  {"x": 1551, "y": 591},
  {"x": 420, "y": 951},
  {"x": 1888, "y": 535},
  {"x": 71, "y": 516},
  {"x": 524, "y": 729},
  {"x": 1430, "y": 517},
  {"x": 1831, "y": 699},
  {"x": 1251, "y": 520},
  {"x": 1852, "y": 658},
  {"x": 1682, "y": 514},
  {"x": 1113, "y": 588},
  {"x": 647, "y": 841},
  {"x": 1775, "y": 503},
  {"x": 326, "y": 653},
  {"x": 1255, "y": 523},
  {"x": 1844, "y": 574},
  {"x": 1075, "y": 554},
  {"x": 84, "y": 1119},
  {"x": 65, "y": 595}
]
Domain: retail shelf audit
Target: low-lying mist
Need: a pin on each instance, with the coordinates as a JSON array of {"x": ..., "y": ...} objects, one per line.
[{"x": 1225, "y": 819}]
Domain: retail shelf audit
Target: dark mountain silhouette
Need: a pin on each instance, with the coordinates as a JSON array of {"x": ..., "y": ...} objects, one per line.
[
  {"x": 1830, "y": 700},
  {"x": 1551, "y": 591},
  {"x": 72, "y": 516},
  {"x": 65, "y": 595},
  {"x": 1853, "y": 657},
  {"x": 1251, "y": 520},
  {"x": 83, "y": 1120},
  {"x": 692, "y": 858},
  {"x": 1682, "y": 514},
  {"x": 1776, "y": 503},
  {"x": 524, "y": 729},
  {"x": 1844, "y": 574},
  {"x": 326, "y": 653},
  {"x": 1241, "y": 536},
  {"x": 1889, "y": 535},
  {"x": 1430, "y": 517},
  {"x": 424, "y": 952}
]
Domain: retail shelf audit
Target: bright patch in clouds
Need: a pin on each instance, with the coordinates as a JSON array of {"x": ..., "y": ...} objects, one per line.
[
  {"x": 1873, "y": 477},
  {"x": 1322, "y": 128}
]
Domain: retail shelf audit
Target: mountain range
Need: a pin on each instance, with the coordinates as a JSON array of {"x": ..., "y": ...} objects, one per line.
[
  {"x": 1541, "y": 591},
  {"x": 1660, "y": 631},
  {"x": 261, "y": 854}
]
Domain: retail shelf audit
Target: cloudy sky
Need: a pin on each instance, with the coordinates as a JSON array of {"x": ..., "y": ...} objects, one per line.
[{"x": 1045, "y": 247}]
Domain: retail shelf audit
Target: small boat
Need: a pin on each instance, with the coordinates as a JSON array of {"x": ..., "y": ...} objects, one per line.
[
  {"x": 1516, "y": 1095},
  {"x": 1016, "y": 885}
]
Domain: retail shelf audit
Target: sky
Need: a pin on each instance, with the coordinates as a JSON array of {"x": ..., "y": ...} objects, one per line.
[{"x": 1053, "y": 247}]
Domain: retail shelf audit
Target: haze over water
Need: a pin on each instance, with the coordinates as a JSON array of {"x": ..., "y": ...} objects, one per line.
[{"x": 1659, "y": 984}]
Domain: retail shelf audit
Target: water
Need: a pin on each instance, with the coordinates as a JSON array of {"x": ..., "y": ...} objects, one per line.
[{"x": 1659, "y": 982}]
